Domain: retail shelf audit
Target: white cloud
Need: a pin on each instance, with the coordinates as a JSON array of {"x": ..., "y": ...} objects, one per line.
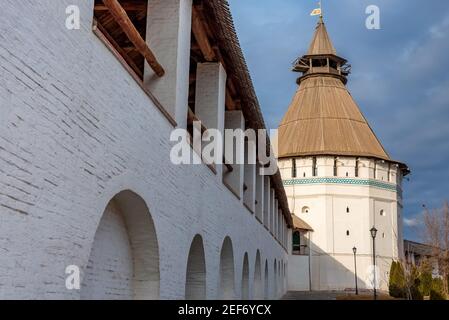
[{"x": 413, "y": 222}]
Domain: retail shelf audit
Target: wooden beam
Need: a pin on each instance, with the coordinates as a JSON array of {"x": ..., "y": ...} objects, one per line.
[
  {"x": 120, "y": 50},
  {"x": 121, "y": 17},
  {"x": 201, "y": 37}
]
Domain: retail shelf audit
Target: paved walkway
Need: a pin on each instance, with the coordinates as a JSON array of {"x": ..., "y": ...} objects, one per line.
[{"x": 313, "y": 295}]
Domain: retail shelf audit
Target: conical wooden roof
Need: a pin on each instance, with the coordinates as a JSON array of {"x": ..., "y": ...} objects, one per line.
[
  {"x": 323, "y": 118},
  {"x": 321, "y": 42}
]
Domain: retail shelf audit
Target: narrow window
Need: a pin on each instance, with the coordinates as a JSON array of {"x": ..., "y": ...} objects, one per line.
[
  {"x": 357, "y": 167},
  {"x": 347, "y": 233},
  {"x": 304, "y": 174},
  {"x": 382, "y": 213},
  {"x": 347, "y": 174},
  {"x": 347, "y": 209},
  {"x": 375, "y": 169},
  {"x": 314, "y": 168},
  {"x": 296, "y": 242},
  {"x": 335, "y": 166},
  {"x": 389, "y": 172},
  {"x": 293, "y": 168}
]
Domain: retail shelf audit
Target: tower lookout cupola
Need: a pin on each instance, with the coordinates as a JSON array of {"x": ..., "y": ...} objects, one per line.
[{"x": 321, "y": 58}]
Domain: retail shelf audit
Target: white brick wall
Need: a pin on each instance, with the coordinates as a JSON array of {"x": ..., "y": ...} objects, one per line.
[{"x": 75, "y": 130}]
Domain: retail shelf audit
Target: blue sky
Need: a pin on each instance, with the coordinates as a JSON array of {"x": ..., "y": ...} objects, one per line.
[{"x": 400, "y": 77}]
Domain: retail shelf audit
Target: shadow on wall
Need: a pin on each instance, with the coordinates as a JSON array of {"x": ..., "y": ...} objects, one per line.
[
  {"x": 328, "y": 273},
  {"x": 124, "y": 261},
  {"x": 126, "y": 243}
]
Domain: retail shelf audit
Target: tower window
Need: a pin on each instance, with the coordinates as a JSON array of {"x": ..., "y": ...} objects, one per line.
[
  {"x": 304, "y": 174},
  {"x": 314, "y": 168},
  {"x": 375, "y": 169},
  {"x": 347, "y": 233},
  {"x": 335, "y": 166},
  {"x": 347, "y": 174},
  {"x": 357, "y": 167},
  {"x": 347, "y": 209},
  {"x": 293, "y": 168},
  {"x": 382, "y": 213}
]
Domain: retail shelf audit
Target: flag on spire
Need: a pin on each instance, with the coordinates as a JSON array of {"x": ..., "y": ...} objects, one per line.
[{"x": 316, "y": 12}]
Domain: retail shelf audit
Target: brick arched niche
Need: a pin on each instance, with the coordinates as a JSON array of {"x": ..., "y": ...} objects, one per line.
[
  {"x": 124, "y": 257},
  {"x": 227, "y": 278},
  {"x": 245, "y": 278},
  {"x": 196, "y": 271},
  {"x": 258, "y": 286}
]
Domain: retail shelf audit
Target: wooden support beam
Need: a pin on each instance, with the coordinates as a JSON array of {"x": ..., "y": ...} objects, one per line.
[
  {"x": 121, "y": 17},
  {"x": 120, "y": 50},
  {"x": 201, "y": 37}
]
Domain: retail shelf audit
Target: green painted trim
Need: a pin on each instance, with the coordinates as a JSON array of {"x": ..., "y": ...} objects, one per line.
[{"x": 348, "y": 181}]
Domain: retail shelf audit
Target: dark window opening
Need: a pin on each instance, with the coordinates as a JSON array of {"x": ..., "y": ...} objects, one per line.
[
  {"x": 347, "y": 209},
  {"x": 314, "y": 167},
  {"x": 357, "y": 167},
  {"x": 319, "y": 63},
  {"x": 335, "y": 167},
  {"x": 296, "y": 241},
  {"x": 347, "y": 233},
  {"x": 333, "y": 64},
  {"x": 293, "y": 168}
]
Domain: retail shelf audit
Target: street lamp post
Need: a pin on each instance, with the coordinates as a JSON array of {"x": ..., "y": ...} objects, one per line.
[
  {"x": 355, "y": 270},
  {"x": 373, "y": 235}
]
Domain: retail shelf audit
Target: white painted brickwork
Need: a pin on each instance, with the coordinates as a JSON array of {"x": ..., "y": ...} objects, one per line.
[{"x": 75, "y": 130}]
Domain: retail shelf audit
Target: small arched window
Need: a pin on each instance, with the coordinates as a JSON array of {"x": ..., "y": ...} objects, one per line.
[
  {"x": 347, "y": 233},
  {"x": 347, "y": 209}
]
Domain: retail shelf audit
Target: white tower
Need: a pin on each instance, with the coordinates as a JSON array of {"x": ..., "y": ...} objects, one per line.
[{"x": 338, "y": 177}]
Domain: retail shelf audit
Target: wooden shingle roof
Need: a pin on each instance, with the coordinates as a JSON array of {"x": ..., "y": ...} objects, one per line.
[
  {"x": 323, "y": 119},
  {"x": 321, "y": 43}
]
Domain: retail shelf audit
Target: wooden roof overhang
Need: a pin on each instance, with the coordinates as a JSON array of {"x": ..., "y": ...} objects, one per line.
[{"x": 216, "y": 38}]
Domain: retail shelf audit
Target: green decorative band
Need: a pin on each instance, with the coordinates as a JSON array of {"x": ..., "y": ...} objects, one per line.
[{"x": 358, "y": 182}]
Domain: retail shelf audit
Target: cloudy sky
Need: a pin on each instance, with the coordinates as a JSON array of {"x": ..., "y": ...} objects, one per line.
[{"x": 400, "y": 76}]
